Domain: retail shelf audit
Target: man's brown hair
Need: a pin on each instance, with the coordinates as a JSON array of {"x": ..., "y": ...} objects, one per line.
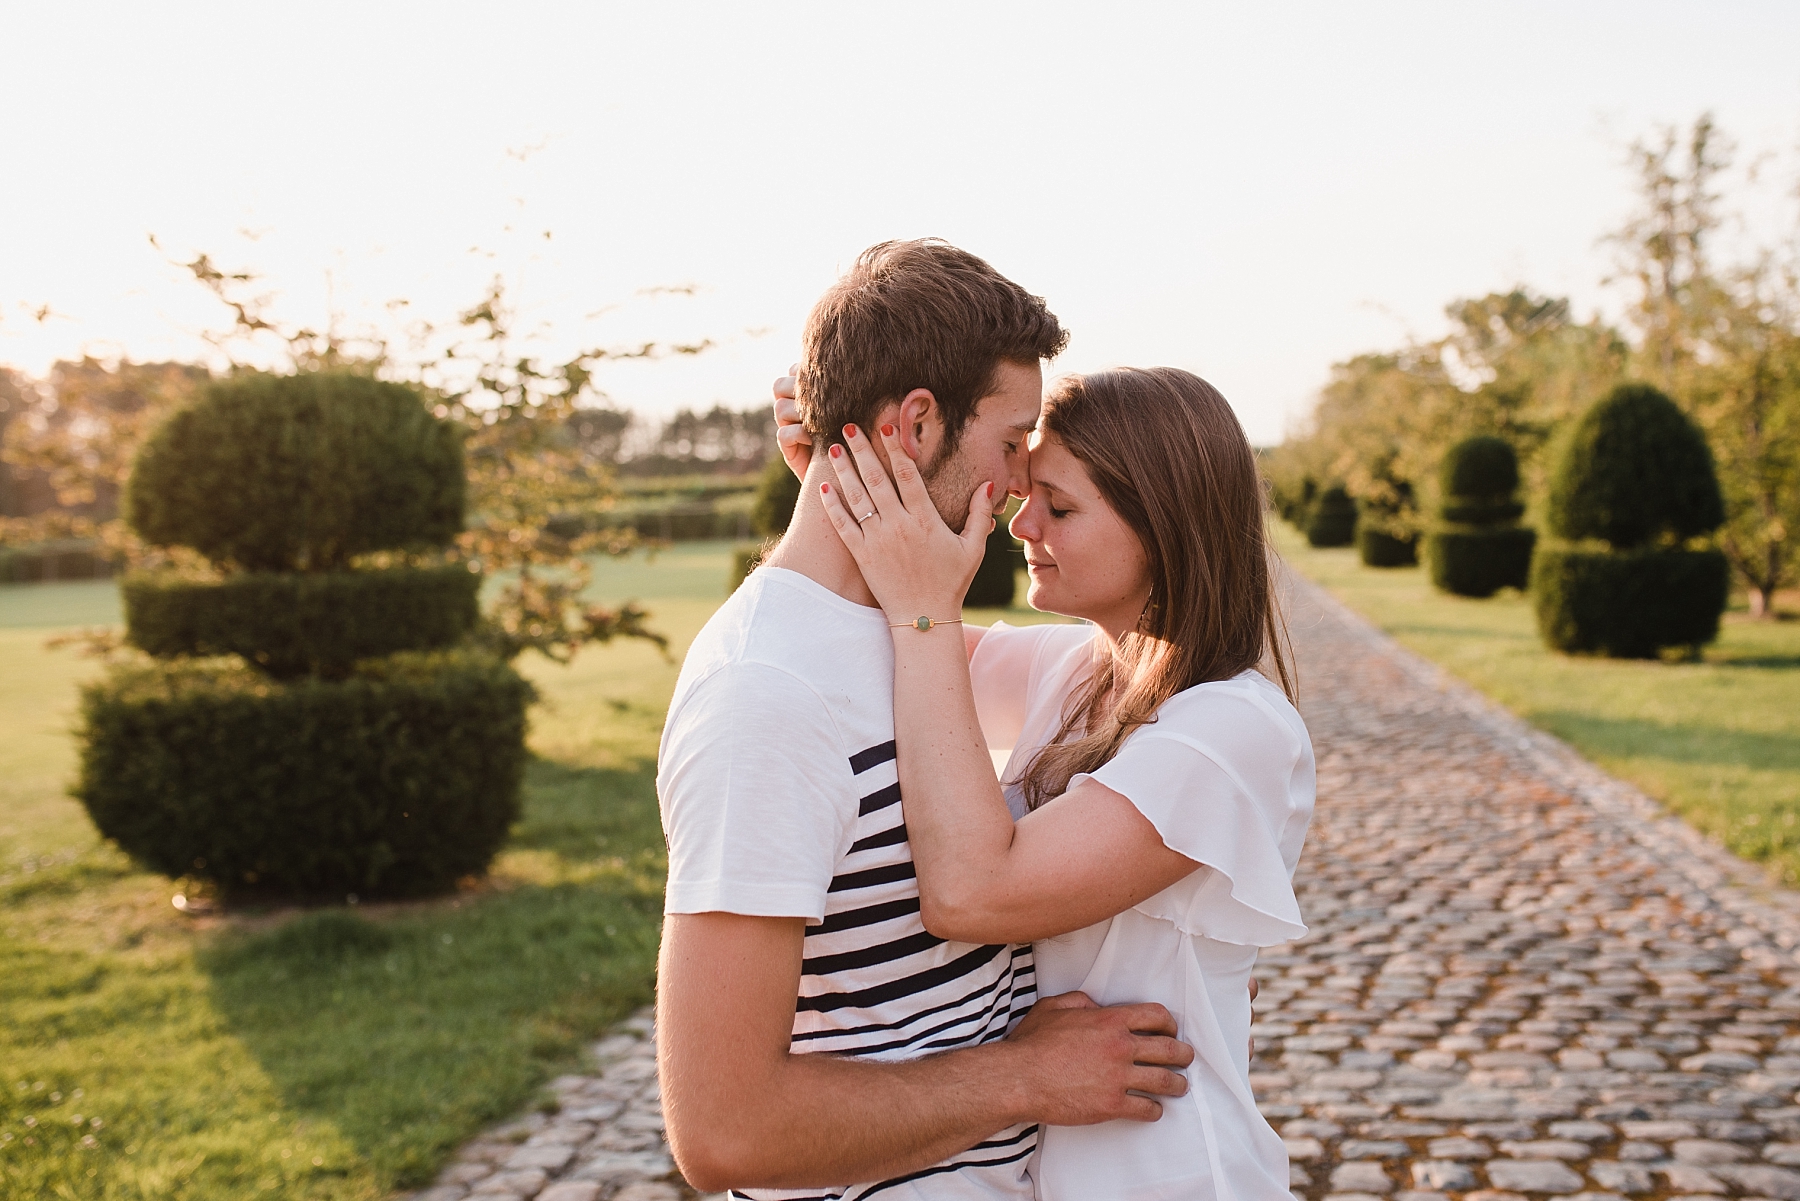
[{"x": 918, "y": 314}]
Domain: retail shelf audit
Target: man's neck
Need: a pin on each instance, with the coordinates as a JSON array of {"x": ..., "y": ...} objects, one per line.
[{"x": 812, "y": 547}]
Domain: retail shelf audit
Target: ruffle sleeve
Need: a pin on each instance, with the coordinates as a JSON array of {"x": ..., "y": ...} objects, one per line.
[{"x": 1225, "y": 774}]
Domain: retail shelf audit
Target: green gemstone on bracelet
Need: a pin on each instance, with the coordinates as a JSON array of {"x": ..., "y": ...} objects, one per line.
[{"x": 923, "y": 623}]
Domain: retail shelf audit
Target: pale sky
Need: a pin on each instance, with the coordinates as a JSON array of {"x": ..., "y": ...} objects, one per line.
[{"x": 1249, "y": 191}]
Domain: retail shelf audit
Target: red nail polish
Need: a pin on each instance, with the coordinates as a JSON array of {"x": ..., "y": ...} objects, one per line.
[
  {"x": 849, "y": 431},
  {"x": 887, "y": 431},
  {"x": 826, "y": 487},
  {"x": 837, "y": 452}
]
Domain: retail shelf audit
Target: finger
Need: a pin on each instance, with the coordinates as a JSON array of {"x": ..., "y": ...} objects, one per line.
[
  {"x": 874, "y": 475},
  {"x": 980, "y": 522},
  {"x": 1148, "y": 1018},
  {"x": 1067, "y": 1000},
  {"x": 787, "y": 409},
  {"x": 1162, "y": 1052},
  {"x": 1254, "y": 988},
  {"x": 851, "y": 486},
  {"x": 1157, "y": 1081},
  {"x": 840, "y": 518},
  {"x": 1140, "y": 1109},
  {"x": 784, "y": 388},
  {"x": 908, "y": 481}
]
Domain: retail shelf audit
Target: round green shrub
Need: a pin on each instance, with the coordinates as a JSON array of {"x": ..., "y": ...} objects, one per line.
[
  {"x": 1483, "y": 467},
  {"x": 291, "y": 624},
  {"x": 1378, "y": 548},
  {"x": 997, "y": 578},
  {"x": 1332, "y": 521},
  {"x": 1479, "y": 561},
  {"x": 1632, "y": 472},
  {"x": 1628, "y": 604},
  {"x": 777, "y": 492},
  {"x": 299, "y": 473},
  {"x": 396, "y": 781}
]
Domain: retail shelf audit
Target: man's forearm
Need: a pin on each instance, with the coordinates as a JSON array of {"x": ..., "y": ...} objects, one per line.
[{"x": 825, "y": 1120}]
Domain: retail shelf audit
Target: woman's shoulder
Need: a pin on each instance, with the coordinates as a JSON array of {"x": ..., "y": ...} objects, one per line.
[{"x": 1228, "y": 717}]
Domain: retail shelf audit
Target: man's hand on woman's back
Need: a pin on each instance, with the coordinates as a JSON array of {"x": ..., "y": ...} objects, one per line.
[{"x": 1086, "y": 1063}]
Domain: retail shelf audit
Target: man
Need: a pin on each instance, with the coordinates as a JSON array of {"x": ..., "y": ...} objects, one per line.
[{"x": 811, "y": 1032}]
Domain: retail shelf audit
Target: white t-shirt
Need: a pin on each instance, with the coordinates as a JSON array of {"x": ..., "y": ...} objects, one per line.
[
  {"x": 780, "y": 798},
  {"x": 1225, "y": 774}
]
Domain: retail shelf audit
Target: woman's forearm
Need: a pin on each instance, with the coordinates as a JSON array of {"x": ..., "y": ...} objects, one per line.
[{"x": 956, "y": 817}]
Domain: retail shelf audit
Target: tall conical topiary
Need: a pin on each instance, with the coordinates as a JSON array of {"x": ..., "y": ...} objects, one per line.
[
  {"x": 1478, "y": 546},
  {"x": 310, "y": 725},
  {"x": 1633, "y": 485}
]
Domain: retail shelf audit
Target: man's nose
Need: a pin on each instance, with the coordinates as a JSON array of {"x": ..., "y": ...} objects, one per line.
[
  {"x": 1022, "y": 527},
  {"x": 1018, "y": 481}
]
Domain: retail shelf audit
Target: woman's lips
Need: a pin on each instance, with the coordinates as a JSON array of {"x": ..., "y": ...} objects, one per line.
[{"x": 1030, "y": 566}]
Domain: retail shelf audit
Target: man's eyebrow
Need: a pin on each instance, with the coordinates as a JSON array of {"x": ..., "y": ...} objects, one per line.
[{"x": 1023, "y": 427}]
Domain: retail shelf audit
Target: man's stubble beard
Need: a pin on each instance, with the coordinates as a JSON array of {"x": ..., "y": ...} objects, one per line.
[{"x": 950, "y": 482}]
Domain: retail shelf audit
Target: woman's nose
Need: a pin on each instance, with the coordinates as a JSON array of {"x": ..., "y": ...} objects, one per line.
[{"x": 1024, "y": 524}]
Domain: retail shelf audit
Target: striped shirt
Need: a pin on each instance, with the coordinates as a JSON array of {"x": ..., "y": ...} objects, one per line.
[{"x": 781, "y": 798}]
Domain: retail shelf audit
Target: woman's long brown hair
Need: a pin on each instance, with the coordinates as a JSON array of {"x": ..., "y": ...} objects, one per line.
[{"x": 1167, "y": 453}]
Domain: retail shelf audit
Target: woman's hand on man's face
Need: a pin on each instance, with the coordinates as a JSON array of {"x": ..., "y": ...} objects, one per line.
[
  {"x": 913, "y": 563},
  {"x": 790, "y": 434}
]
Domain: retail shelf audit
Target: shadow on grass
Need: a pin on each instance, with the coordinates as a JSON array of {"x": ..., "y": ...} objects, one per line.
[
  {"x": 1726, "y": 659},
  {"x": 411, "y": 1032},
  {"x": 1686, "y": 743}
]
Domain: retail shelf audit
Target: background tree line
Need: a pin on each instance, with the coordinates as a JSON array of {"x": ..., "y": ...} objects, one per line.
[{"x": 1713, "y": 319}]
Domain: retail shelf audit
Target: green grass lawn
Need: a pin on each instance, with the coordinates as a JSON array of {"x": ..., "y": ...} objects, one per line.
[
  {"x": 1716, "y": 741},
  {"x": 335, "y": 1053}
]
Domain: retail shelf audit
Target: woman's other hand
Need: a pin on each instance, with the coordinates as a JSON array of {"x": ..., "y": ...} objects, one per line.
[
  {"x": 790, "y": 434},
  {"x": 913, "y": 563}
]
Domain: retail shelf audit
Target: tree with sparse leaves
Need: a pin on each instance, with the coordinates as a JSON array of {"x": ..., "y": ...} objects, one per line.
[{"x": 1724, "y": 341}]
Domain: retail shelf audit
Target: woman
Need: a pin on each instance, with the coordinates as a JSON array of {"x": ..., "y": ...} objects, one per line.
[{"x": 1158, "y": 785}]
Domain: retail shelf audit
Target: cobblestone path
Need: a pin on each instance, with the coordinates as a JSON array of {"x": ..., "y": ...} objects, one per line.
[{"x": 1520, "y": 981}]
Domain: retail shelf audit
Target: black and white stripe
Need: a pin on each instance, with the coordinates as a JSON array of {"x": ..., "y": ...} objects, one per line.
[{"x": 876, "y": 984}]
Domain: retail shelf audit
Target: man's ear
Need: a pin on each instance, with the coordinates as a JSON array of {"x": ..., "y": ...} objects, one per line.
[{"x": 921, "y": 424}]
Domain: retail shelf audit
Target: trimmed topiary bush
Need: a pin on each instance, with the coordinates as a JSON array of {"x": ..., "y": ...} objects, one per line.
[
  {"x": 299, "y": 473},
  {"x": 1472, "y": 561},
  {"x": 1634, "y": 471},
  {"x": 396, "y": 781},
  {"x": 1386, "y": 529},
  {"x": 1478, "y": 547},
  {"x": 744, "y": 560},
  {"x": 1633, "y": 483},
  {"x": 1332, "y": 521},
  {"x": 777, "y": 492},
  {"x": 1378, "y": 548},
  {"x": 291, "y": 625},
  {"x": 343, "y": 748},
  {"x": 1628, "y": 604}
]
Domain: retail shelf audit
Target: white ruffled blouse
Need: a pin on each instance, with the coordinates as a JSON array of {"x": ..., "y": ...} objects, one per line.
[{"x": 1225, "y": 774}]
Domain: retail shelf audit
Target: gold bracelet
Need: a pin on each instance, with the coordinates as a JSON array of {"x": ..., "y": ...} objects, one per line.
[{"x": 922, "y": 624}]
